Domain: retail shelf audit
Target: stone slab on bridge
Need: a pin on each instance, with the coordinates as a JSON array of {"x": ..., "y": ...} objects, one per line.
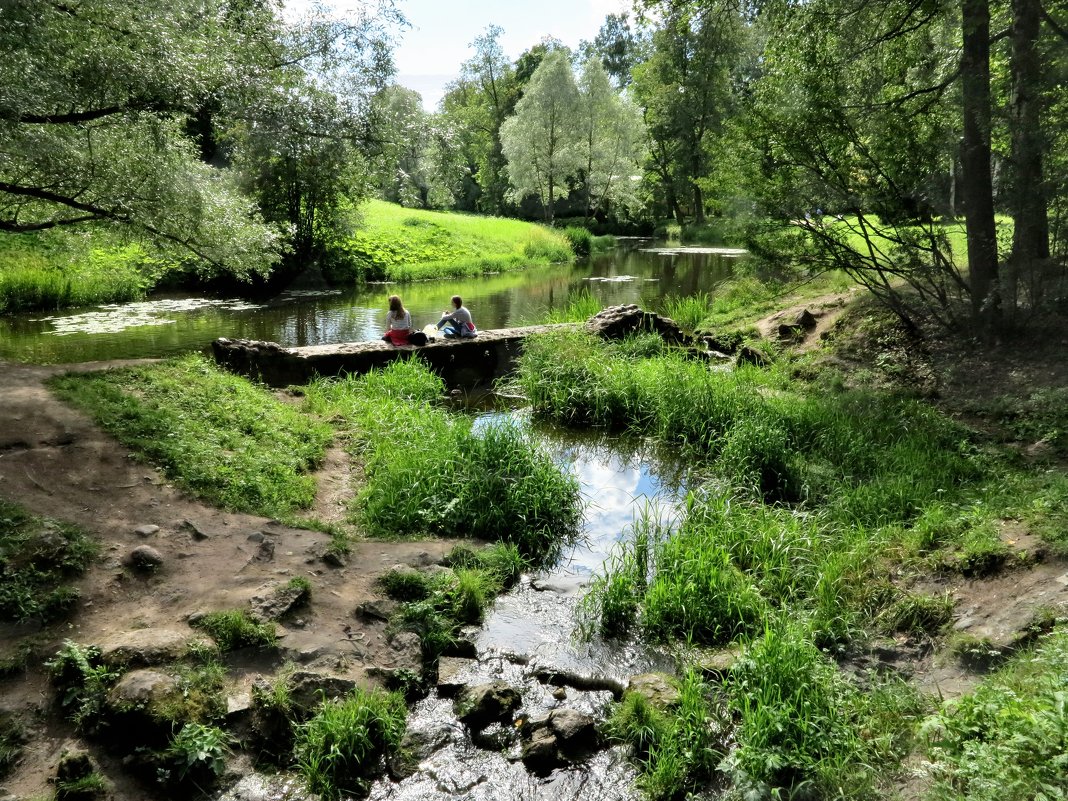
[{"x": 460, "y": 362}]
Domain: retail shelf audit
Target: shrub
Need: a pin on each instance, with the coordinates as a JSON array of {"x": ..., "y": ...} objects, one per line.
[
  {"x": 341, "y": 746},
  {"x": 580, "y": 240}
]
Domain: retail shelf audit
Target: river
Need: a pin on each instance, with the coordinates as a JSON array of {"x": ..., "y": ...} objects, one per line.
[{"x": 638, "y": 271}]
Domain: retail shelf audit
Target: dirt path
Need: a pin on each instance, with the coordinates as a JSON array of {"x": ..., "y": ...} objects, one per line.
[{"x": 56, "y": 463}]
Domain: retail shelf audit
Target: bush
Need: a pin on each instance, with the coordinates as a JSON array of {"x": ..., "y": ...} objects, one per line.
[
  {"x": 197, "y": 753},
  {"x": 341, "y": 747},
  {"x": 82, "y": 681},
  {"x": 580, "y": 240}
]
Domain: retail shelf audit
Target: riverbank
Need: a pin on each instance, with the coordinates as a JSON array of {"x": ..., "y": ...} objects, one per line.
[
  {"x": 393, "y": 243},
  {"x": 58, "y": 464}
]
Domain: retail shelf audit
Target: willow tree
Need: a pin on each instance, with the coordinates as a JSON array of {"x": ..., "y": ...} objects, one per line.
[{"x": 540, "y": 140}]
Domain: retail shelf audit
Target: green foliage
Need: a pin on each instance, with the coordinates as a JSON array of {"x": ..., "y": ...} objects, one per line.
[
  {"x": 580, "y": 240},
  {"x": 804, "y": 729},
  {"x": 340, "y": 748},
  {"x": 235, "y": 629},
  {"x": 689, "y": 311},
  {"x": 12, "y": 741},
  {"x": 678, "y": 750},
  {"x": 442, "y": 477},
  {"x": 918, "y": 614},
  {"x": 195, "y": 752},
  {"x": 398, "y": 244},
  {"x": 37, "y": 559},
  {"x": 222, "y": 437},
  {"x": 1006, "y": 740},
  {"x": 53, "y": 270},
  {"x": 406, "y": 585},
  {"x": 82, "y": 681},
  {"x": 83, "y": 788},
  {"x": 581, "y": 306}
]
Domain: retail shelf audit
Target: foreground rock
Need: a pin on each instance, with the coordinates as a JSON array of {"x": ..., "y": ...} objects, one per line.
[
  {"x": 617, "y": 322},
  {"x": 483, "y": 704},
  {"x": 563, "y": 737}
]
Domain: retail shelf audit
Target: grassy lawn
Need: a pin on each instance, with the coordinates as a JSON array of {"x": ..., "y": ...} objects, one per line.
[{"x": 398, "y": 244}]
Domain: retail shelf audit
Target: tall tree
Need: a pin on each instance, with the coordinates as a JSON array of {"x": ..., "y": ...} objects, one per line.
[
  {"x": 611, "y": 142},
  {"x": 977, "y": 183},
  {"x": 540, "y": 140}
]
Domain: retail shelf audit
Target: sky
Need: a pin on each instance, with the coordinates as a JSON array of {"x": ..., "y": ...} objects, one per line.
[{"x": 429, "y": 53}]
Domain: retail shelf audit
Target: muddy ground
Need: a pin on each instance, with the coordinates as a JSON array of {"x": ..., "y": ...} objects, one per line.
[{"x": 56, "y": 463}]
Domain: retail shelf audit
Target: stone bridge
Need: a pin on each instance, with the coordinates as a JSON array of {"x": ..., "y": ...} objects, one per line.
[{"x": 460, "y": 362}]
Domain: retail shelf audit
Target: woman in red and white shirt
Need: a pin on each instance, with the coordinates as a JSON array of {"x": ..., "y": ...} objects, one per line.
[{"x": 398, "y": 322}]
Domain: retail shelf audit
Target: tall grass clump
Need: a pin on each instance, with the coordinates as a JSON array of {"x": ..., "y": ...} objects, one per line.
[
  {"x": 580, "y": 240},
  {"x": 580, "y": 307},
  {"x": 224, "y": 438},
  {"x": 678, "y": 750},
  {"x": 1006, "y": 741},
  {"x": 689, "y": 311},
  {"x": 443, "y": 477},
  {"x": 340, "y": 749},
  {"x": 236, "y": 629},
  {"x": 804, "y": 731}
]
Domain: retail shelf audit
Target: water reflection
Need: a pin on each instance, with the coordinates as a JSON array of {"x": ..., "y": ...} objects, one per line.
[
  {"x": 533, "y": 627},
  {"x": 176, "y": 323}
]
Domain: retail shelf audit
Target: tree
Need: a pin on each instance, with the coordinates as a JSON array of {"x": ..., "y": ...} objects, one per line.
[
  {"x": 540, "y": 140},
  {"x": 618, "y": 47},
  {"x": 93, "y": 100},
  {"x": 685, "y": 88},
  {"x": 611, "y": 141}
]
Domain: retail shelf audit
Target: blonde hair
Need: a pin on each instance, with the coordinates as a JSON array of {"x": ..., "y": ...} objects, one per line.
[{"x": 396, "y": 306}]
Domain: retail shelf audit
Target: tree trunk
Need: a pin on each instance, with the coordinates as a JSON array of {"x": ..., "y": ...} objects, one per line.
[
  {"x": 1030, "y": 239},
  {"x": 977, "y": 192},
  {"x": 549, "y": 205},
  {"x": 698, "y": 205}
]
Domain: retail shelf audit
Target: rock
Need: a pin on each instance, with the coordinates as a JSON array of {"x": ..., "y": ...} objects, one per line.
[
  {"x": 450, "y": 668},
  {"x": 138, "y": 707},
  {"x": 788, "y": 333},
  {"x": 657, "y": 688},
  {"x": 74, "y": 763},
  {"x": 560, "y": 694},
  {"x": 747, "y": 354},
  {"x": 616, "y": 322},
  {"x": 148, "y": 647},
  {"x": 464, "y": 645},
  {"x": 279, "y": 602},
  {"x": 377, "y": 609},
  {"x": 146, "y": 530},
  {"x": 717, "y": 665},
  {"x": 256, "y": 536},
  {"x": 724, "y": 344},
  {"x": 144, "y": 558},
  {"x": 407, "y": 651},
  {"x": 265, "y": 552},
  {"x": 805, "y": 319},
  {"x": 563, "y": 737},
  {"x": 416, "y": 746},
  {"x": 196, "y": 531},
  {"x": 307, "y": 690},
  {"x": 238, "y": 707},
  {"x": 480, "y": 705},
  {"x": 324, "y": 552}
]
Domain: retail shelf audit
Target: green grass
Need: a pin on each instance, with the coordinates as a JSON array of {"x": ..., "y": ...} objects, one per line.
[
  {"x": 1006, "y": 741},
  {"x": 678, "y": 750},
  {"x": 339, "y": 749},
  {"x": 441, "y": 477},
  {"x": 55, "y": 269},
  {"x": 393, "y": 243},
  {"x": 235, "y": 629},
  {"x": 38, "y": 561},
  {"x": 225, "y": 439},
  {"x": 12, "y": 741},
  {"x": 82, "y": 682}
]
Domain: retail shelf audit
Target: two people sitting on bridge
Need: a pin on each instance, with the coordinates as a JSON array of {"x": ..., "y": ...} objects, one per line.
[
  {"x": 454, "y": 324},
  {"x": 457, "y": 323}
]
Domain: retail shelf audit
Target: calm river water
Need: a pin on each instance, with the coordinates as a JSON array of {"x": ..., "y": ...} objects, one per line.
[{"x": 638, "y": 271}]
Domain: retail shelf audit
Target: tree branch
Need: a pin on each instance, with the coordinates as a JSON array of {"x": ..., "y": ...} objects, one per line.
[{"x": 22, "y": 228}]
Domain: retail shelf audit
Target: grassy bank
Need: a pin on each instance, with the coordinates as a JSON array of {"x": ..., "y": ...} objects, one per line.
[
  {"x": 819, "y": 504},
  {"x": 57, "y": 269},
  {"x": 393, "y": 243}
]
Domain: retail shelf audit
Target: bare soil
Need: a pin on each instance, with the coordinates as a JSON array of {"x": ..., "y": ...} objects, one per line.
[{"x": 56, "y": 463}]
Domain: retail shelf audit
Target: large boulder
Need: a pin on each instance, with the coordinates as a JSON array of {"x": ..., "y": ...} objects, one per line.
[
  {"x": 657, "y": 688},
  {"x": 279, "y": 601},
  {"x": 616, "y": 322},
  {"x": 482, "y": 704},
  {"x": 563, "y": 737},
  {"x": 307, "y": 689},
  {"x": 147, "y": 647}
]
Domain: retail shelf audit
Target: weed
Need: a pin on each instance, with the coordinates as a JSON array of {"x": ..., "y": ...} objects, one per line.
[
  {"x": 341, "y": 746},
  {"x": 302, "y": 585},
  {"x": 1005, "y": 741},
  {"x": 918, "y": 614},
  {"x": 37, "y": 558},
  {"x": 406, "y": 585},
  {"x": 12, "y": 741},
  {"x": 235, "y": 629},
  {"x": 82, "y": 788},
  {"x": 83, "y": 682},
  {"x": 196, "y": 752}
]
